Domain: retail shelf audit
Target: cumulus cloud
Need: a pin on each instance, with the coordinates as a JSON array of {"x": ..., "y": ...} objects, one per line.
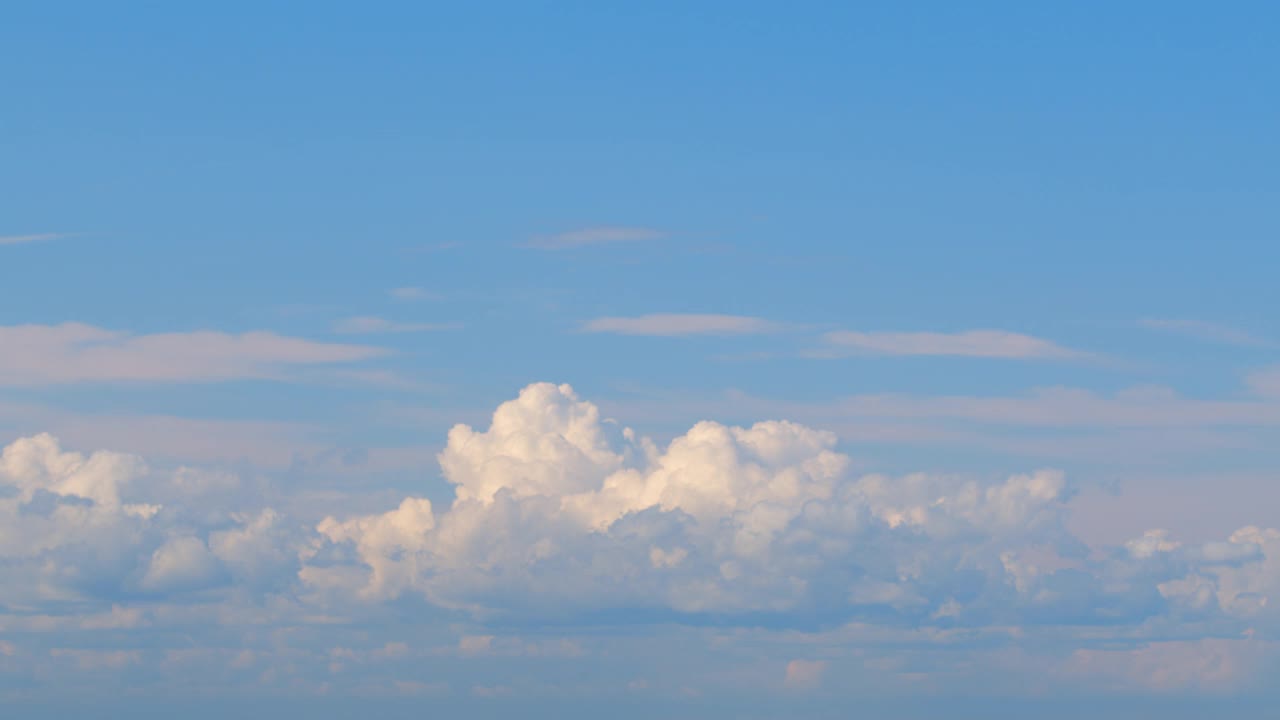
[
  {"x": 558, "y": 510},
  {"x": 675, "y": 324},
  {"x": 971, "y": 343},
  {"x": 562, "y": 517},
  {"x": 93, "y": 529},
  {"x": 74, "y": 352},
  {"x": 598, "y": 235},
  {"x": 183, "y": 563}
]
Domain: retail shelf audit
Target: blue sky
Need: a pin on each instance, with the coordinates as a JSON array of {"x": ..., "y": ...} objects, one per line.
[{"x": 1000, "y": 280}]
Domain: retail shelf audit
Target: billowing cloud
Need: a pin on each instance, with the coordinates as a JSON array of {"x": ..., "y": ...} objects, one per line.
[
  {"x": 758, "y": 550},
  {"x": 98, "y": 528},
  {"x": 674, "y": 324},
  {"x": 558, "y": 511},
  {"x": 74, "y": 352},
  {"x": 971, "y": 343},
  {"x": 597, "y": 235}
]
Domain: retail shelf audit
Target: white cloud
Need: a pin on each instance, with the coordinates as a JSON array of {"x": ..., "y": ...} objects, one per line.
[
  {"x": 598, "y": 235},
  {"x": 562, "y": 516},
  {"x": 674, "y": 324},
  {"x": 1207, "y": 331},
  {"x": 971, "y": 343},
  {"x": 73, "y": 352},
  {"x": 24, "y": 239},
  {"x": 98, "y": 528},
  {"x": 558, "y": 512},
  {"x": 183, "y": 563}
]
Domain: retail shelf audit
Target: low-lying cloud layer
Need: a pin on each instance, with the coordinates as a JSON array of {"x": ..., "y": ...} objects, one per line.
[{"x": 562, "y": 518}]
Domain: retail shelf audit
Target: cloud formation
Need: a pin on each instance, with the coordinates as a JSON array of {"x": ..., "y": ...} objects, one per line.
[
  {"x": 75, "y": 353},
  {"x": 678, "y": 324},
  {"x": 370, "y": 325},
  {"x": 559, "y": 512},
  {"x": 971, "y": 343},
  {"x": 597, "y": 235},
  {"x": 412, "y": 293},
  {"x": 24, "y": 239},
  {"x": 752, "y": 537},
  {"x": 97, "y": 529}
]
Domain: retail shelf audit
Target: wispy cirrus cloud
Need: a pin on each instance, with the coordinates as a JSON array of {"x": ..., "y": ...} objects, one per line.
[
  {"x": 676, "y": 324},
  {"x": 35, "y": 355},
  {"x": 1207, "y": 331},
  {"x": 371, "y": 325},
  {"x": 970, "y": 343},
  {"x": 33, "y": 238},
  {"x": 597, "y": 235},
  {"x": 414, "y": 293}
]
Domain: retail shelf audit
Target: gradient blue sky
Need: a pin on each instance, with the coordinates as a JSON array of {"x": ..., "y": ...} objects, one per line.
[{"x": 1009, "y": 268}]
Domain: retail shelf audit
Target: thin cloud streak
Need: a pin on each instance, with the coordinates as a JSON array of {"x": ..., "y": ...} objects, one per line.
[
  {"x": 600, "y": 235},
  {"x": 24, "y": 239},
  {"x": 971, "y": 343},
  {"x": 677, "y": 324},
  {"x": 37, "y": 355},
  {"x": 1206, "y": 331},
  {"x": 412, "y": 293},
  {"x": 370, "y": 325}
]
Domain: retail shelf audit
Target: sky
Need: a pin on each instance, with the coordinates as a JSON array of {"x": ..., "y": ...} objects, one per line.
[{"x": 716, "y": 360}]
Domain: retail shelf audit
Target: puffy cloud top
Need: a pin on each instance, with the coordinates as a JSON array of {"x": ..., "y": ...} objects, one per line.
[
  {"x": 558, "y": 510},
  {"x": 563, "y": 516}
]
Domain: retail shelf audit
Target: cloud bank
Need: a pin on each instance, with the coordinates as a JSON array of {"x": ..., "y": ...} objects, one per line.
[
  {"x": 558, "y": 512},
  {"x": 761, "y": 536}
]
